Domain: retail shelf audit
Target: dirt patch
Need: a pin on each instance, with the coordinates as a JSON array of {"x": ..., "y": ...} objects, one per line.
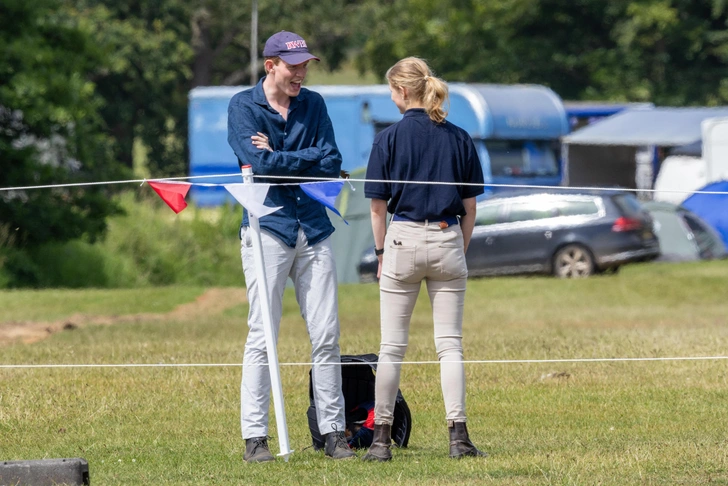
[{"x": 213, "y": 301}]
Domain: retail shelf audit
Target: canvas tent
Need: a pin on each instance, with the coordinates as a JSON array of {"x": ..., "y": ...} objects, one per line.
[
  {"x": 606, "y": 153},
  {"x": 350, "y": 241},
  {"x": 666, "y": 127},
  {"x": 712, "y": 208},
  {"x": 683, "y": 236}
]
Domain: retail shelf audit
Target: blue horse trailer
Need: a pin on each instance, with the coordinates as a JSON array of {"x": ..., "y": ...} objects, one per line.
[{"x": 516, "y": 128}]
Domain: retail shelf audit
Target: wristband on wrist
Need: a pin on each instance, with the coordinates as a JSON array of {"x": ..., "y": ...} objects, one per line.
[{"x": 378, "y": 252}]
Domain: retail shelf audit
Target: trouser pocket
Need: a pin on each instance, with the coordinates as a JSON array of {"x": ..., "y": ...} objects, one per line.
[
  {"x": 399, "y": 261},
  {"x": 400, "y": 248},
  {"x": 447, "y": 256},
  {"x": 449, "y": 259}
]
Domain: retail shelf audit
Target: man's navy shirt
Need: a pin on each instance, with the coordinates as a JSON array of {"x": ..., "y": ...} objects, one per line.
[
  {"x": 418, "y": 149},
  {"x": 303, "y": 145}
]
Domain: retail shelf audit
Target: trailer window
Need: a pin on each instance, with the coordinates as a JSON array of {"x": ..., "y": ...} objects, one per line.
[
  {"x": 380, "y": 125},
  {"x": 522, "y": 158}
]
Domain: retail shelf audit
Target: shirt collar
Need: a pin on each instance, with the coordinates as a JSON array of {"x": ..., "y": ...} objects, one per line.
[
  {"x": 259, "y": 94},
  {"x": 260, "y": 99},
  {"x": 415, "y": 112}
]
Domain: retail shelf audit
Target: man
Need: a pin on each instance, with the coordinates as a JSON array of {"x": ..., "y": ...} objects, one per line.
[{"x": 281, "y": 128}]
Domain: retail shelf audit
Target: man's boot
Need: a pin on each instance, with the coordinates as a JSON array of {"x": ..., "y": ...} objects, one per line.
[
  {"x": 460, "y": 445},
  {"x": 336, "y": 446},
  {"x": 381, "y": 444},
  {"x": 256, "y": 450}
]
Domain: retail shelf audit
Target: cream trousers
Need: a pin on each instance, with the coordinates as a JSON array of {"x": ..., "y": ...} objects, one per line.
[{"x": 415, "y": 252}]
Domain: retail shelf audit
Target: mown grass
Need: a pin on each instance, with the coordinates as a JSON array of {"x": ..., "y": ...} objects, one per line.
[
  {"x": 626, "y": 422},
  {"x": 51, "y": 304}
]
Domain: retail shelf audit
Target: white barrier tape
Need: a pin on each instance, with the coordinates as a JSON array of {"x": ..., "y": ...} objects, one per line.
[
  {"x": 508, "y": 186},
  {"x": 486, "y": 361},
  {"x": 128, "y": 181}
]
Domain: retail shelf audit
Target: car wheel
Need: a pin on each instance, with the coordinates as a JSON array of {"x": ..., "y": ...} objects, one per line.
[{"x": 573, "y": 261}]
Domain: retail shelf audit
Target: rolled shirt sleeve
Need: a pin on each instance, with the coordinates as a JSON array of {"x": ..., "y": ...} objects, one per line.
[{"x": 243, "y": 124}]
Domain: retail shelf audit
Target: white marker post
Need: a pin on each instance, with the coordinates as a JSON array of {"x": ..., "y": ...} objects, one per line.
[{"x": 270, "y": 342}]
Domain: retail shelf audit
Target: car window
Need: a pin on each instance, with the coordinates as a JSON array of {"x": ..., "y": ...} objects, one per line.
[
  {"x": 703, "y": 239},
  {"x": 488, "y": 214},
  {"x": 578, "y": 208},
  {"x": 527, "y": 211},
  {"x": 628, "y": 204}
]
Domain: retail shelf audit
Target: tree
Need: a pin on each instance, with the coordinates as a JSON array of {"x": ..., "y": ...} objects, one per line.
[
  {"x": 671, "y": 52},
  {"x": 50, "y": 132},
  {"x": 143, "y": 77},
  {"x": 157, "y": 50},
  {"x": 221, "y": 34}
]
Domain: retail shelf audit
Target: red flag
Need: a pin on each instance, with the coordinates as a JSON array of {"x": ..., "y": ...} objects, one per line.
[{"x": 173, "y": 193}]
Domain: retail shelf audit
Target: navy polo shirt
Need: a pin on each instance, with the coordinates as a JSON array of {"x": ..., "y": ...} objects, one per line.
[
  {"x": 418, "y": 149},
  {"x": 303, "y": 145}
]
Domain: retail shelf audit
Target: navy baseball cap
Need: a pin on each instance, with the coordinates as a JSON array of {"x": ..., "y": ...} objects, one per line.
[{"x": 288, "y": 46}]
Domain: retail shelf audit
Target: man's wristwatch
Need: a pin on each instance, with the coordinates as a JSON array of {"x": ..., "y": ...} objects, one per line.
[{"x": 378, "y": 252}]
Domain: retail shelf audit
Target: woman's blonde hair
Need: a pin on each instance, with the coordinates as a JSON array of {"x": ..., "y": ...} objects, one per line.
[{"x": 422, "y": 85}]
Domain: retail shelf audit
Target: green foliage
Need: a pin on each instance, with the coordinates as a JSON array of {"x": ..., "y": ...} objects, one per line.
[
  {"x": 220, "y": 35},
  {"x": 195, "y": 247},
  {"x": 155, "y": 51},
  {"x": 84, "y": 82},
  {"x": 146, "y": 245},
  {"x": 143, "y": 77},
  {"x": 49, "y": 129},
  {"x": 670, "y": 52},
  {"x": 78, "y": 264}
]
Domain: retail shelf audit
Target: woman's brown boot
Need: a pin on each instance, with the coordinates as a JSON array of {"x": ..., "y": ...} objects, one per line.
[
  {"x": 381, "y": 444},
  {"x": 460, "y": 445}
]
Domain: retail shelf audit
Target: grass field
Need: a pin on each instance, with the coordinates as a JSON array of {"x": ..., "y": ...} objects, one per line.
[{"x": 590, "y": 422}]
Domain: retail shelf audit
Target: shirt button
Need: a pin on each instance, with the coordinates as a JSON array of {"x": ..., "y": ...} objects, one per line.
[{"x": 298, "y": 199}]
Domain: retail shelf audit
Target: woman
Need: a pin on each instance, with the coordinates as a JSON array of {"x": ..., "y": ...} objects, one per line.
[{"x": 426, "y": 240}]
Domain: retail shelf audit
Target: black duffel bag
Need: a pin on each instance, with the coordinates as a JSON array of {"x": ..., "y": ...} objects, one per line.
[{"x": 357, "y": 383}]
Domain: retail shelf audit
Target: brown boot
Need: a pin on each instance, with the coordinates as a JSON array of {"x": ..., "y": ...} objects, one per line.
[
  {"x": 381, "y": 443},
  {"x": 460, "y": 445}
]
